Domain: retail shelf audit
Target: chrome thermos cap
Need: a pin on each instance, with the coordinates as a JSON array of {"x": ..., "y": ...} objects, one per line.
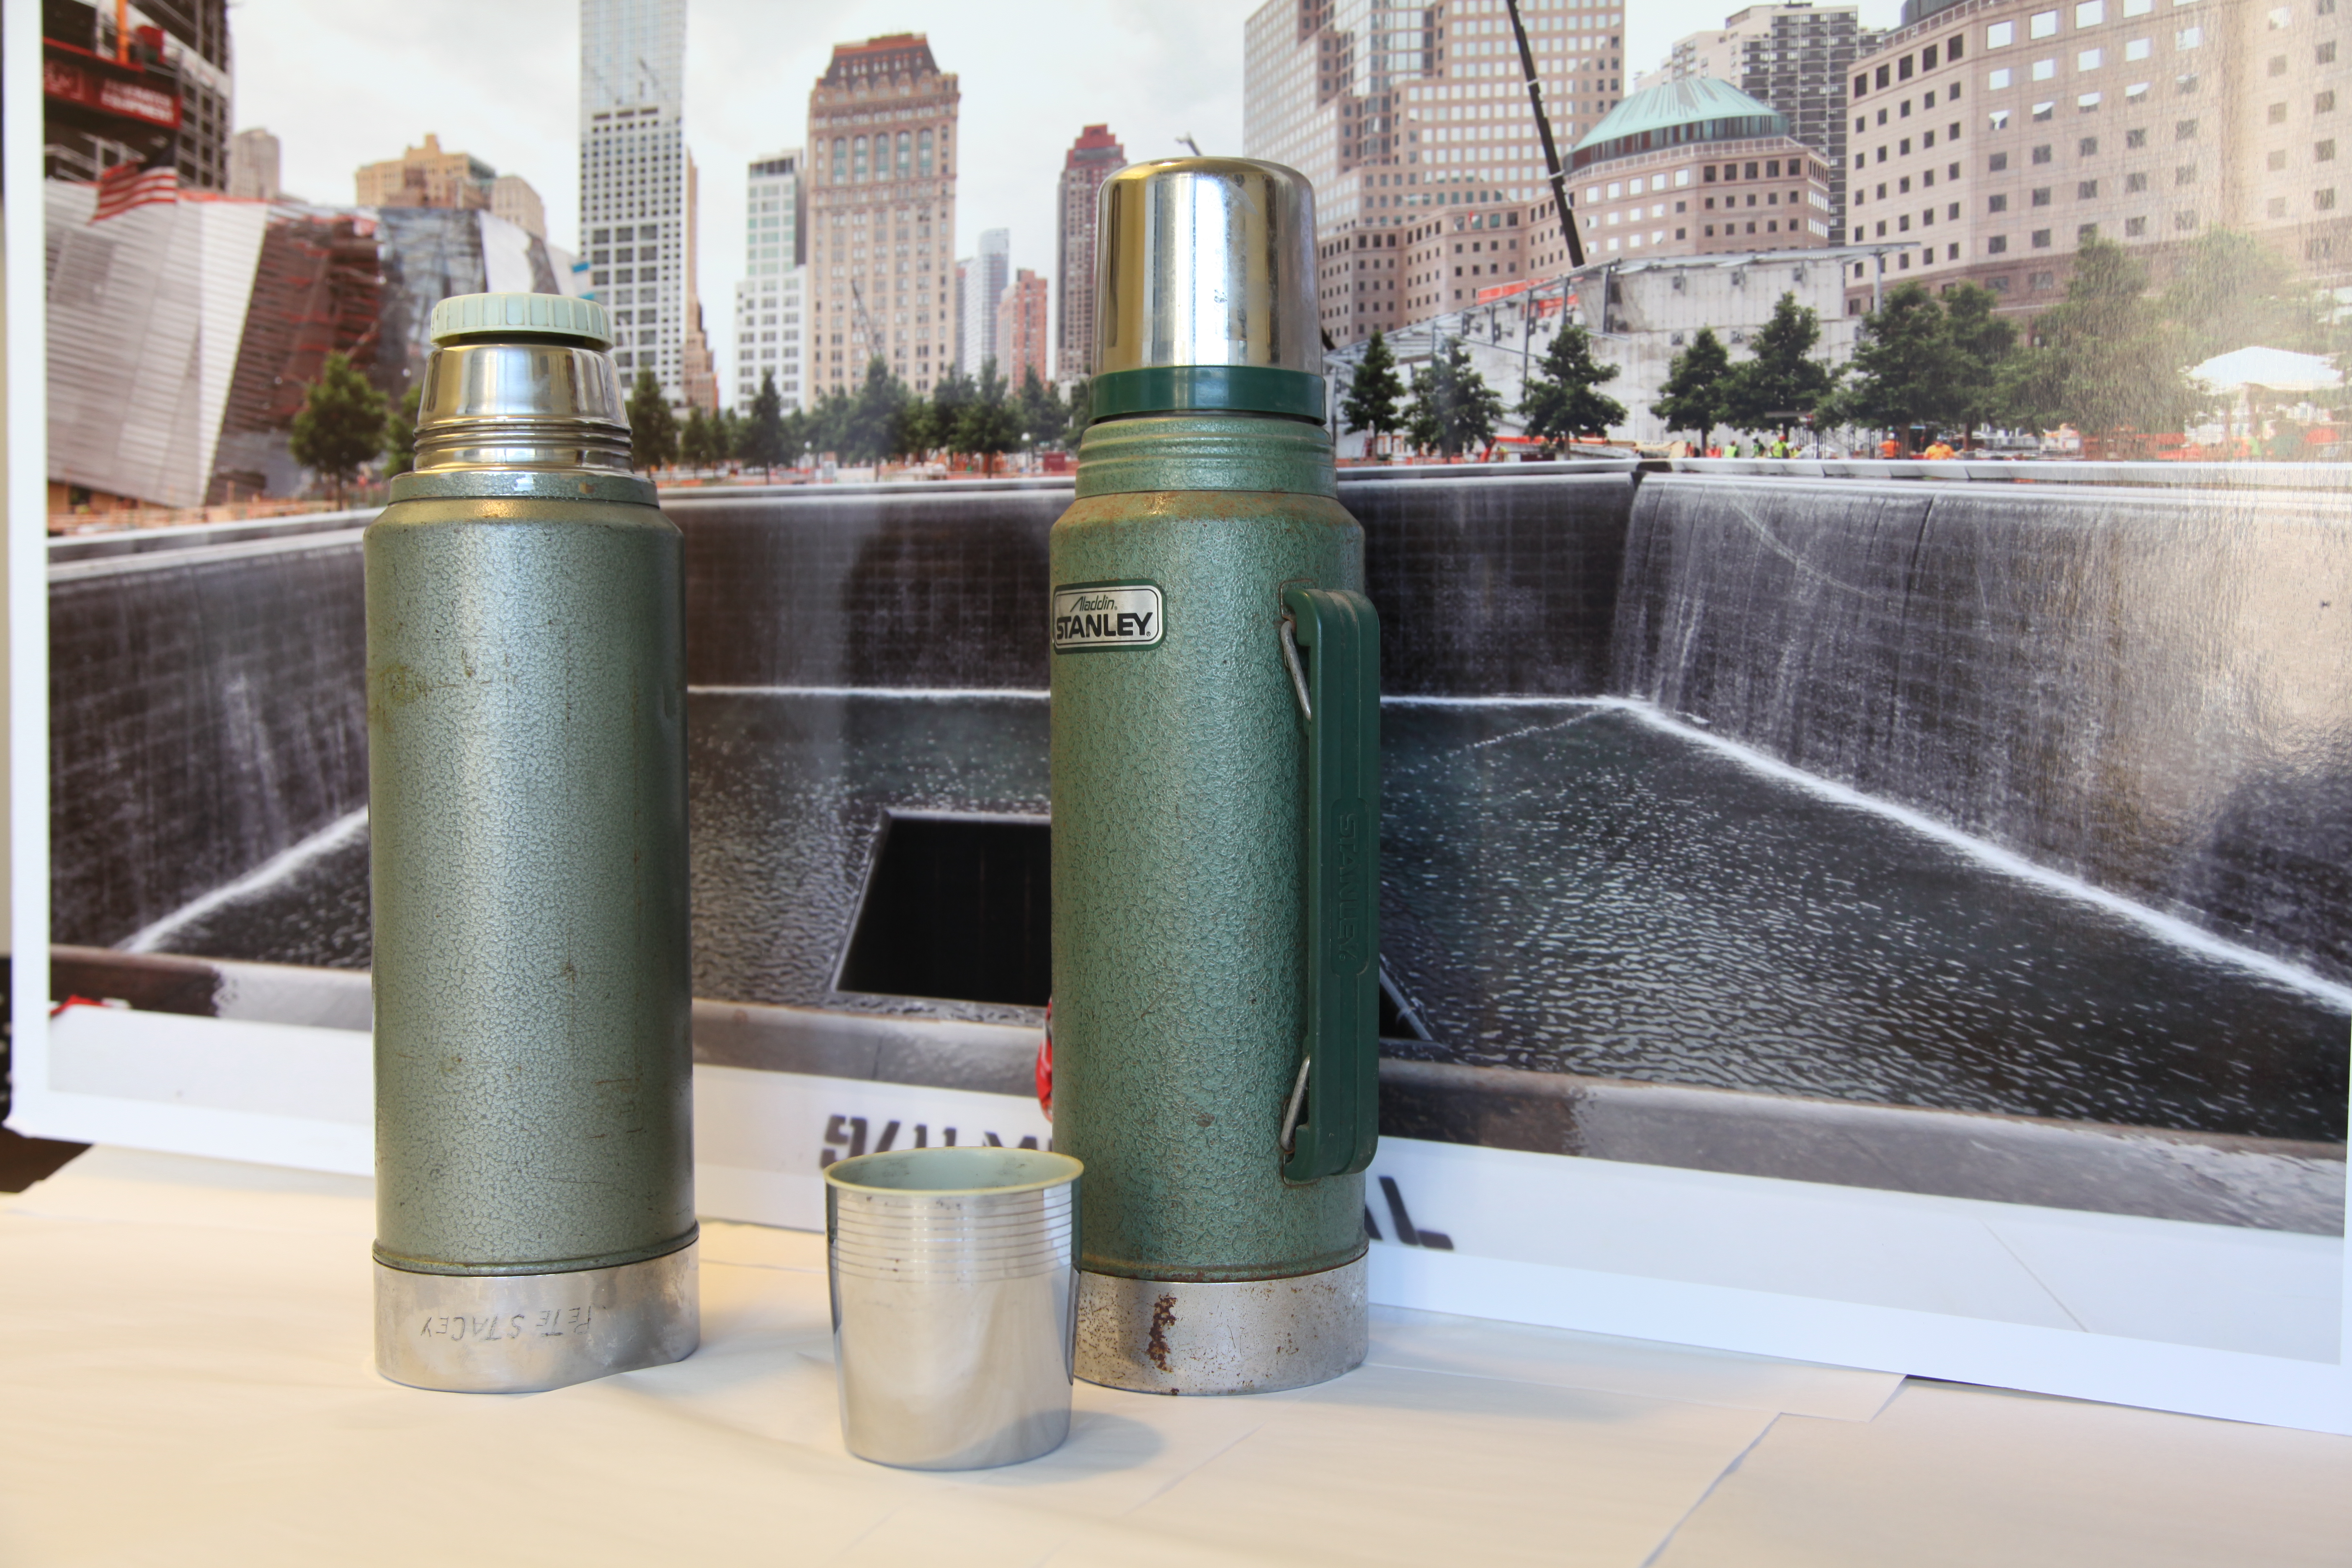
[
  {"x": 1205, "y": 290},
  {"x": 520, "y": 381}
]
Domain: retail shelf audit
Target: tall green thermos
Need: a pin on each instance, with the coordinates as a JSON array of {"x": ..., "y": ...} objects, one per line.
[
  {"x": 1215, "y": 734},
  {"x": 526, "y": 802}
]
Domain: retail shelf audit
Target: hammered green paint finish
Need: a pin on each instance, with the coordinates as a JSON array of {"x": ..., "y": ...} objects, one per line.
[
  {"x": 527, "y": 784},
  {"x": 1179, "y": 909}
]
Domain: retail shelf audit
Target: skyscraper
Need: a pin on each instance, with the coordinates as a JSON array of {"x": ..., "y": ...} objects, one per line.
[
  {"x": 1393, "y": 110},
  {"x": 253, "y": 159},
  {"x": 698, "y": 369},
  {"x": 426, "y": 177},
  {"x": 1092, "y": 158},
  {"x": 982, "y": 278},
  {"x": 768, "y": 300},
  {"x": 182, "y": 47},
  {"x": 1021, "y": 329},
  {"x": 1990, "y": 143},
  {"x": 513, "y": 199},
  {"x": 632, "y": 183},
  {"x": 881, "y": 165},
  {"x": 1793, "y": 56}
]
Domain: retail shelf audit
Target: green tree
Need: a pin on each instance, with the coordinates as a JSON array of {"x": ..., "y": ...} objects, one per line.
[
  {"x": 723, "y": 431},
  {"x": 1981, "y": 347},
  {"x": 653, "y": 428},
  {"x": 871, "y": 430},
  {"x": 902, "y": 419},
  {"x": 2233, "y": 291},
  {"x": 1043, "y": 416},
  {"x": 341, "y": 427},
  {"x": 799, "y": 437},
  {"x": 1374, "y": 391},
  {"x": 1782, "y": 383},
  {"x": 760, "y": 438},
  {"x": 1560, "y": 401},
  {"x": 950, "y": 396},
  {"x": 917, "y": 433},
  {"x": 989, "y": 424},
  {"x": 1904, "y": 371},
  {"x": 2102, "y": 361},
  {"x": 694, "y": 441},
  {"x": 400, "y": 434},
  {"x": 1081, "y": 403},
  {"x": 1452, "y": 408},
  {"x": 825, "y": 425},
  {"x": 1694, "y": 395}
]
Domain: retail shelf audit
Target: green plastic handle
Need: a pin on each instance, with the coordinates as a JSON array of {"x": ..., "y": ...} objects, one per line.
[{"x": 1338, "y": 638}]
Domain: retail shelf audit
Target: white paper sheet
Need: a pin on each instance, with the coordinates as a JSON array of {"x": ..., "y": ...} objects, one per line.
[
  {"x": 185, "y": 1378},
  {"x": 185, "y": 1367}
]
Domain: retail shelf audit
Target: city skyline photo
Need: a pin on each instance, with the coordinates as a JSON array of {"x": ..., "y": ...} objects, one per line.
[{"x": 1152, "y": 74}]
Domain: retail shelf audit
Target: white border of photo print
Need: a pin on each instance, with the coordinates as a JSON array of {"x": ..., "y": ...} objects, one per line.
[{"x": 2203, "y": 1319}]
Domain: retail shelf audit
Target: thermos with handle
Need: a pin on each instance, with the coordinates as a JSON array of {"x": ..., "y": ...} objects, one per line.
[{"x": 1215, "y": 801}]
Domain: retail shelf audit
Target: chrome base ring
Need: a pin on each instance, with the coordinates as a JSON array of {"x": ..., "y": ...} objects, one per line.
[
  {"x": 1250, "y": 1336},
  {"x": 519, "y": 1334}
]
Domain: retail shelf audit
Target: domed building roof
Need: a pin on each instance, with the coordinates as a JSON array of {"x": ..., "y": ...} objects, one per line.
[{"x": 1676, "y": 113}]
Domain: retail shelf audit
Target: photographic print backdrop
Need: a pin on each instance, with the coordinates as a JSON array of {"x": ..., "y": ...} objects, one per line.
[{"x": 1804, "y": 840}]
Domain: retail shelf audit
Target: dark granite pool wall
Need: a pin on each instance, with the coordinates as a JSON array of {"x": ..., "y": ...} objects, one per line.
[
  {"x": 207, "y": 711},
  {"x": 900, "y": 588},
  {"x": 206, "y": 690},
  {"x": 1497, "y": 583},
  {"x": 1486, "y": 583},
  {"x": 2149, "y": 689}
]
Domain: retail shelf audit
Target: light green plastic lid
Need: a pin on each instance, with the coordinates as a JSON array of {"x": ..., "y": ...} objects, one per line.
[{"x": 555, "y": 315}]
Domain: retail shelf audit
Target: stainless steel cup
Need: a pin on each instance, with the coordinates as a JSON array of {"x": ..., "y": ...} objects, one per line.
[{"x": 954, "y": 1296}]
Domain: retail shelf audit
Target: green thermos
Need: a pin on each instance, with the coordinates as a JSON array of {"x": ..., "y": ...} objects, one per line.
[
  {"x": 1216, "y": 799},
  {"x": 527, "y": 805}
]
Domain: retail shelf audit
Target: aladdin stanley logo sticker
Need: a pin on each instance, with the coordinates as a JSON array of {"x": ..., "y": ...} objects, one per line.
[{"x": 1107, "y": 615}]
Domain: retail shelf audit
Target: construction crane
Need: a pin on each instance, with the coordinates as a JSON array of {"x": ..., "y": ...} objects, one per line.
[
  {"x": 864, "y": 320},
  {"x": 1543, "y": 130}
]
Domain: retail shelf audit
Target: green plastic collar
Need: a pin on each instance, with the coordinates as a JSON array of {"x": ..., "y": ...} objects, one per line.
[{"x": 1181, "y": 389}]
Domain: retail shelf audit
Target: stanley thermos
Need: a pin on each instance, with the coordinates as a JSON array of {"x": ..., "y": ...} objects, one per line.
[
  {"x": 1215, "y": 796},
  {"x": 526, "y": 802}
]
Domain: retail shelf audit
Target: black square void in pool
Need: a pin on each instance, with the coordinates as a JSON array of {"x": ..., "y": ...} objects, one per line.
[{"x": 957, "y": 906}]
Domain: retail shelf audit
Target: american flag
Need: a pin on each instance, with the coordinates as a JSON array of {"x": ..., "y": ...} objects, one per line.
[{"x": 127, "y": 186}]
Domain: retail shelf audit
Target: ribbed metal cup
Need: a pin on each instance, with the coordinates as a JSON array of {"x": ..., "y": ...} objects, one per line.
[
  {"x": 954, "y": 1303},
  {"x": 1206, "y": 295}
]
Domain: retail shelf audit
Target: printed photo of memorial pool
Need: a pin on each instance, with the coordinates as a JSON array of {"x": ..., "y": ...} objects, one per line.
[{"x": 1976, "y": 838}]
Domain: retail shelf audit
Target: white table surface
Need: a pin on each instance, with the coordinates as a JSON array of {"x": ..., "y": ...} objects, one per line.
[{"x": 185, "y": 1379}]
